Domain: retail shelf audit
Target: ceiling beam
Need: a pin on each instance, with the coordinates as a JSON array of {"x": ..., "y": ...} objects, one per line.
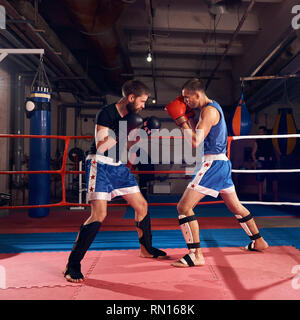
[
  {"x": 187, "y": 50},
  {"x": 180, "y": 63},
  {"x": 271, "y": 87},
  {"x": 236, "y": 32},
  {"x": 49, "y": 41},
  {"x": 165, "y": 76},
  {"x": 265, "y": 1},
  {"x": 189, "y": 20}
]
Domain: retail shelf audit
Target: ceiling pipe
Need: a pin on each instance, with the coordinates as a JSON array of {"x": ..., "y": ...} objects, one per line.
[
  {"x": 50, "y": 42},
  {"x": 98, "y": 21},
  {"x": 149, "y": 10},
  {"x": 234, "y": 35},
  {"x": 50, "y": 65},
  {"x": 82, "y": 106},
  {"x": 261, "y": 95},
  {"x": 272, "y": 86},
  {"x": 166, "y": 76}
]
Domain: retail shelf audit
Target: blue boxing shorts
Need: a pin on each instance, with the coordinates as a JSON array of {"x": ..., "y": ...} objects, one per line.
[
  {"x": 106, "y": 179},
  {"x": 213, "y": 176}
]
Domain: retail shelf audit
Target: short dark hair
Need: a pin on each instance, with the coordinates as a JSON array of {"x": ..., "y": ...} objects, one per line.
[
  {"x": 135, "y": 87},
  {"x": 194, "y": 84}
]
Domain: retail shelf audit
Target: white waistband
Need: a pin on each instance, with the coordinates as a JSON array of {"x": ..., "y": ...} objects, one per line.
[
  {"x": 212, "y": 157},
  {"x": 111, "y": 161},
  {"x": 103, "y": 159}
]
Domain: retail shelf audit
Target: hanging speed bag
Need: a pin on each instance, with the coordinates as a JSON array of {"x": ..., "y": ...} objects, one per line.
[
  {"x": 284, "y": 124},
  {"x": 240, "y": 123}
]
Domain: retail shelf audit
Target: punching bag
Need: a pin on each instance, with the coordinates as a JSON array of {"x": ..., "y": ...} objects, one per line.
[
  {"x": 38, "y": 109},
  {"x": 284, "y": 124},
  {"x": 240, "y": 123}
]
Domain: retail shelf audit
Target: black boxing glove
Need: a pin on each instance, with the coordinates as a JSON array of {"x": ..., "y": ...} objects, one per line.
[
  {"x": 133, "y": 121},
  {"x": 151, "y": 123}
]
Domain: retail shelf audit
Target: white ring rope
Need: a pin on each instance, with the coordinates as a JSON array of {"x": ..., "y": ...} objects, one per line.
[
  {"x": 272, "y": 203},
  {"x": 265, "y": 136},
  {"x": 267, "y": 171}
]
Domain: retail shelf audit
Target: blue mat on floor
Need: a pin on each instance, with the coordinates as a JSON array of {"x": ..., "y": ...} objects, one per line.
[
  {"x": 216, "y": 210},
  {"x": 117, "y": 240}
]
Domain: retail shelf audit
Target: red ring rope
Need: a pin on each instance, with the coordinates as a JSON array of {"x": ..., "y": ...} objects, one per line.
[{"x": 62, "y": 172}]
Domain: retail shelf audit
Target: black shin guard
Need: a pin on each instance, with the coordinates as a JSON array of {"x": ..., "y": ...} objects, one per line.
[
  {"x": 146, "y": 239},
  {"x": 86, "y": 236}
]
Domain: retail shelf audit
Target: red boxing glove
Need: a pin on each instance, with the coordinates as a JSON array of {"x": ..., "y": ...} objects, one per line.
[
  {"x": 176, "y": 109},
  {"x": 179, "y": 111}
]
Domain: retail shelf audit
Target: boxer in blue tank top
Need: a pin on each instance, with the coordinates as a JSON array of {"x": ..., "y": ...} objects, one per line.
[{"x": 213, "y": 176}]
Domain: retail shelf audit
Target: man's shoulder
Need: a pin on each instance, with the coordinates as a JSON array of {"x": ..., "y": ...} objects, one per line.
[
  {"x": 210, "y": 109},
  {"x": 216, "y": 104},
  {"x": 108, "y": 109}
]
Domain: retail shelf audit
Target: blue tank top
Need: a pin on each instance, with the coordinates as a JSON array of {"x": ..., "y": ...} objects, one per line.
[{"x": 216, "y": 141}]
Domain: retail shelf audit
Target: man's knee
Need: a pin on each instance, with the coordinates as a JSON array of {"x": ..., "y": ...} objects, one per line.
[
  {"x": 99, "y": 216},
  {"x": 141, "y": 206},
  {"x": 183, "y": 209},
  {"x": 98, "y": 213},
  {"x": 144, "y": 206}
]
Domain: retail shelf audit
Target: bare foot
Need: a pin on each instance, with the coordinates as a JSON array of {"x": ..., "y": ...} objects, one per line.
[
  {"x": 261, "y": 244},
  {"x": 145, "y": 254},
  {"x": 70, "y": 279},
  {"x": 257, "y": 245}
]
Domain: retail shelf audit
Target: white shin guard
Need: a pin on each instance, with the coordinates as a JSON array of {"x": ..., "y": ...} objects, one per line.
[
  {"x": 187, "y": 232},
  {"x": 242, "y": 221}
]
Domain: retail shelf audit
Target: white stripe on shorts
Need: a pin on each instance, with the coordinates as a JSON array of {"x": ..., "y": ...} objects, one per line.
[
  {"x": 92, "y": 176},
  {"x": 228, "y": 190},
  {"x": 110, "y": 195},
  {"x": 102, "y": 159}
]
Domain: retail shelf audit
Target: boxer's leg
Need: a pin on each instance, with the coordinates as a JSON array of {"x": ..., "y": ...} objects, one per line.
[
  {"x": 246, "y": 221},
  {"x": 143, "y": 225},
  {"x": 190, "y": 229},
  {"x": 85, "y": 237}
]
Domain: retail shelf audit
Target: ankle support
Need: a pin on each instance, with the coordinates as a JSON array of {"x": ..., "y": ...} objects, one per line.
[
  {"x": 242, "y": 221},
  {"x": 255, "y": 236},
  {"x": 187, "y": 232},
  {"x": 146, "y": 238}
]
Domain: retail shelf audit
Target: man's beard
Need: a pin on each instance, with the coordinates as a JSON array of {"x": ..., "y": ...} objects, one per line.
[{"x": 131, "y": 108}]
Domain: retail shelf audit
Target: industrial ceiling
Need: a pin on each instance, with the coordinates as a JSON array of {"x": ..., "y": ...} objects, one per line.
[{"x": 93, "y": 46}]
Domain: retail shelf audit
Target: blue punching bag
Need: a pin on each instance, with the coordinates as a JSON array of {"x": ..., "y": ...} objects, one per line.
[
  {"x": 240, "y": 123},
  {"x": 38, "y": 109}
]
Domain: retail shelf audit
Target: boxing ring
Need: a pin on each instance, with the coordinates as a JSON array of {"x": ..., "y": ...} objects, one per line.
[{"x": 33, "y": 251}]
